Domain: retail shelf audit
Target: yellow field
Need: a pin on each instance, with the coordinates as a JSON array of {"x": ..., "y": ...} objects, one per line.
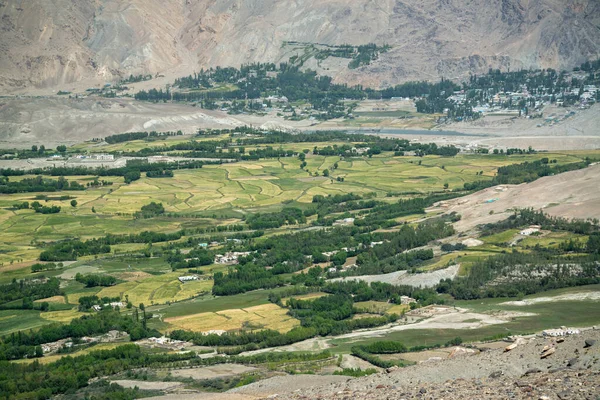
[
  {"x": 53, "y": 299},
  {"x": 62, "y": 316},
  {"x": 245, "y": 185},
  {"x": 381, "y": 307},
  {"x": 268, "y": 316},
  {"x": 397, "y": 309},
  {"x": 310, "y": 296}
]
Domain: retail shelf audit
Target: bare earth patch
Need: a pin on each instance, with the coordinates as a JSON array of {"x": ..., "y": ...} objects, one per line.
[
  {"x": 427, "y": 279},
  {"x": 287, "y": 384},
  {"x": 573, "y": 194},
  {"x": 563, "y": 297},
  {"x": 217, "y": 371},
  {"x": 148, "y": 385}
]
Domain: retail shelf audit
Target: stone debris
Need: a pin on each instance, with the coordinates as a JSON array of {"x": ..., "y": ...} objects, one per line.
[
  {"x": 548, "y": 352},
  {"x": 531, "y": 370}
]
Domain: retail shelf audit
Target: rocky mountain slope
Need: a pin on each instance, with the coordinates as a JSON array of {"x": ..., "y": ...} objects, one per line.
[
  {"x": 570, "y": 371},
  {"x": 54, "y": 42}
]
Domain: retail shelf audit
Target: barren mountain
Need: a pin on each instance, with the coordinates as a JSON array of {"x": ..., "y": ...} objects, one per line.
[{"x": 53, "y": 42}]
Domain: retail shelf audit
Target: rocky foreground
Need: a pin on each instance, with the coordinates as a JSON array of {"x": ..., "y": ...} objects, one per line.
[{"x": 569, "y": 369}]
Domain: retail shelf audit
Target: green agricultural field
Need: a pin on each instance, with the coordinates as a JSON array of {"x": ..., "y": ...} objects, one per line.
[
  {"x": 16, "y": 320},
  {"x": 219, "y": 196},
  {"x": 215, "y": 304},
  {"x": 231, "y": 190}
]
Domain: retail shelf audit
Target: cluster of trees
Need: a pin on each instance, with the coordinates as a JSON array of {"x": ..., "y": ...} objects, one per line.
[
  {"x": 37, "y": 267},
  {"x": 35, "y": 151},
  {"x": 329, "y": 315},
  {"x": 377, "y": 291},
  {"x": 151, "y": 210},
  {"x": 516, "y": 274},
  {"x": 288, "y": 215},
  {"x": 37, "y": 184},
  {"x": 22, "y": 344},
  {"x": 44, "y": 381},
  {"x": 159, "y": 174},
  {"x": 529, "y": 216},
  {"x": 93, "y": 280},
  {"x": 45, "y": 209},
  {"x": 293, "y": 252},
  {"x": 360, "y": 55},
  {"x": 244, "y": 278},
  {"x": 136, "y": 78},
  {"x": 365, "y": 54},
  {"x": 67, "y": 375},
  {"x": 369, "y": 352},
  {"x": 296, "y": 84},
  {"x": 129, "y": 136},
  {"x": 379, "y": 215},
  {"x": 449, "y": 247},
  {"x": 398, "y": 262},
  {"x": 32, "y": 289},
  {"x": 130, "y": 172},
  {"x": 70, "y": 250},
  {"x": 194, "y": 259},
  {"x": 371, "y": 357}
]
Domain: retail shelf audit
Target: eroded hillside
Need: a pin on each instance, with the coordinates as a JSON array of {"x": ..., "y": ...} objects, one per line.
[{"x": 55, "y": 42}]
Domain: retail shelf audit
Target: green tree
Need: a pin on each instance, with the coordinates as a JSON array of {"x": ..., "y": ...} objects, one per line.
[{"x": 73, "y": 203}]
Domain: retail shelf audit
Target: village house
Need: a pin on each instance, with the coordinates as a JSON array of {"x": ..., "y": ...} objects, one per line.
[
  {"x": 531, "y": 230},
  {"x": 188, "y": 278},
  {"x": 103, "y": 157},
  {"x": 563, "y": 331},
  {"x": 231, "y": 257}
]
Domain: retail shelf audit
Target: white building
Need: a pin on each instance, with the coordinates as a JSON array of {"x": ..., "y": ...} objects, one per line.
[
  {"x": 561, "y": 332},
  {"x": 104, "y": 157},
  {"x": 188, "y": 278},
  {"x": 531, "y": 230}
]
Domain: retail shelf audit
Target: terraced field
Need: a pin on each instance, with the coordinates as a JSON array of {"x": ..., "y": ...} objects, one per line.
[
  {"x": 268, "y": 316},
  {"x": 233, "y": 188},
  {"x": 157, "y": 289}
]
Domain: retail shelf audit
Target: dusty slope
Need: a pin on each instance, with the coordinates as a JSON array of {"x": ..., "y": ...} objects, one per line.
[
  {"x": 574, "y": 194},
  {"x": 27, "y": 121},
  {"x": 572, "y": 372},
  {"x": 60, "y": 120},
  {"x": 426, "y": 279},
  {"x": 54, "y": 42}
]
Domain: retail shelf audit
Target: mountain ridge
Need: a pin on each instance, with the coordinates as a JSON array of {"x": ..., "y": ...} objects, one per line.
[{"x": 59, "y": 42}]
